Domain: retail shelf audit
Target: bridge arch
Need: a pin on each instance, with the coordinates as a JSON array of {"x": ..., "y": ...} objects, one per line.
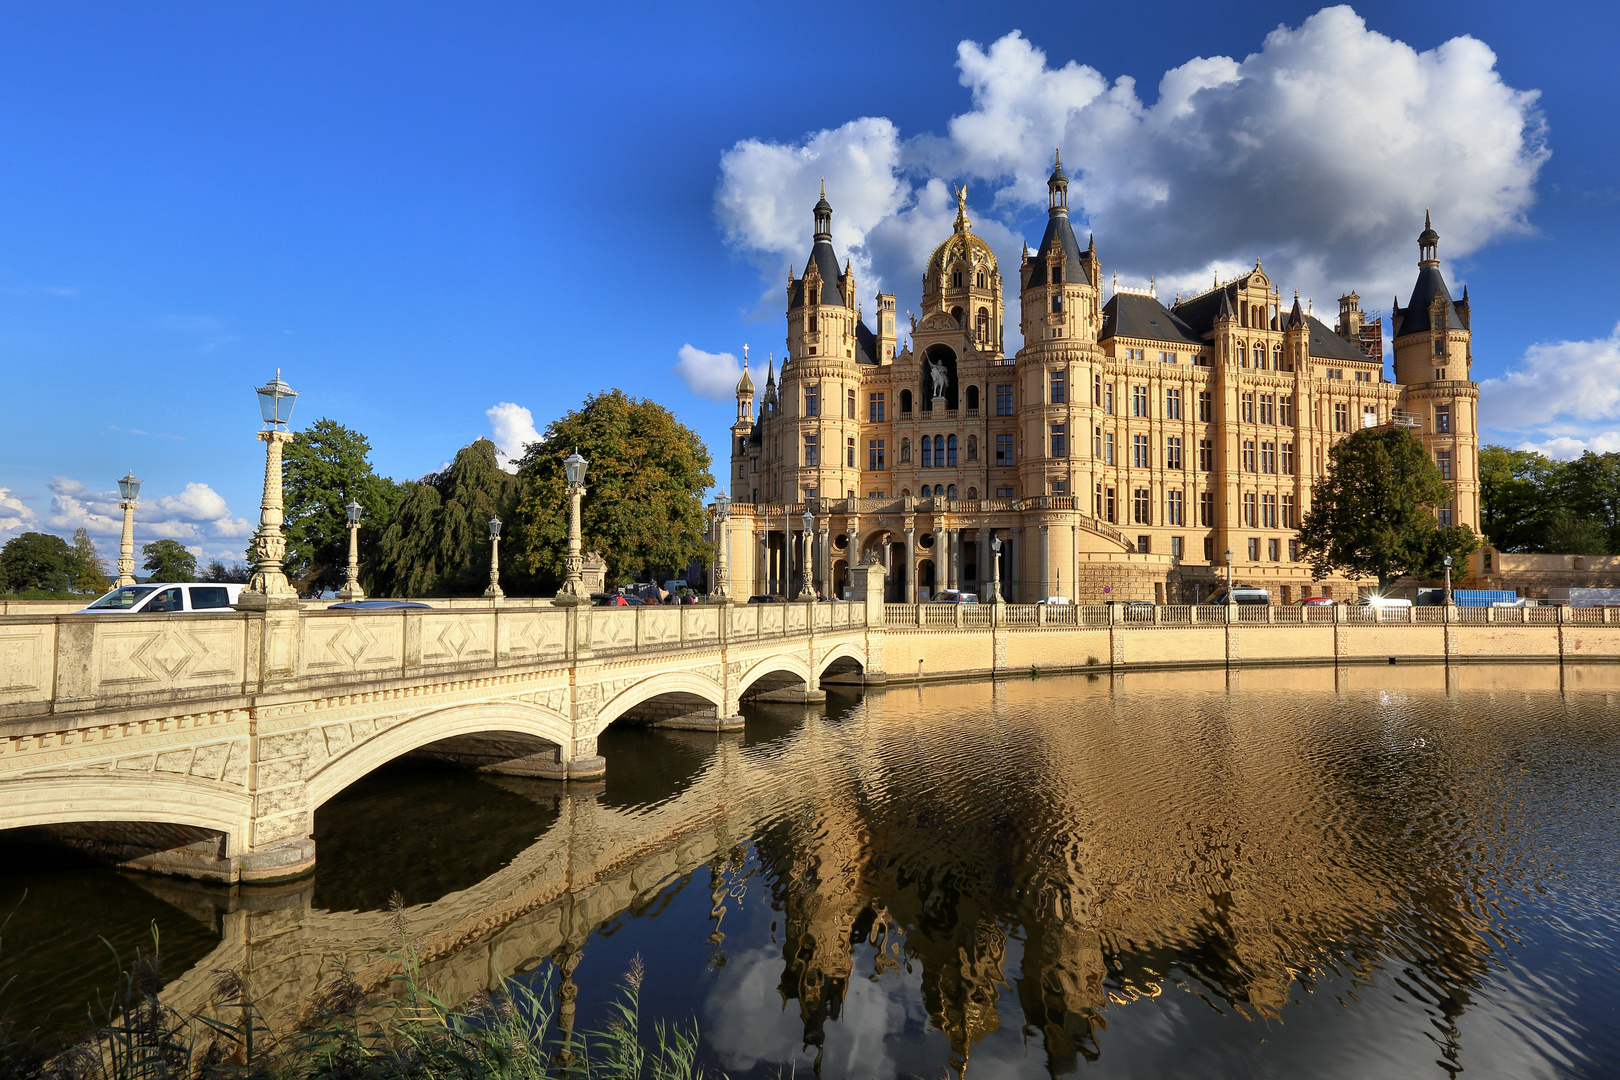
[
  {"x": 482, "y": 718},
  {"x": 689, "y": 684},
  {"x": 103, "y": 798},
  {"x": 778, "y": 672},
  {"x": 846, "y": 656}
]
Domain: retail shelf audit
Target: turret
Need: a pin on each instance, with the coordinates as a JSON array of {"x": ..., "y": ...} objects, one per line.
[
  {"x": 1059, "y": 298},
  {"x": 745, "y": 395}
]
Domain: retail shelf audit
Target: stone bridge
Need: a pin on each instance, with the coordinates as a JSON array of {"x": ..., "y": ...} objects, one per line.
[{"x": 202, "y": 744}]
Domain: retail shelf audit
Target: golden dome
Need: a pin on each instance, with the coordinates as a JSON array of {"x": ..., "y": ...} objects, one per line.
[{"x": 961, "y": 246}]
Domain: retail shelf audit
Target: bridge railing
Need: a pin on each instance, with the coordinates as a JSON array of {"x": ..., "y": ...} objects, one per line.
[{"x": 1170, "y": 616}]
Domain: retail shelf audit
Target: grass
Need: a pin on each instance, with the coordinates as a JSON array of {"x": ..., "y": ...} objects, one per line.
[{"x": 507, "y": 1034}]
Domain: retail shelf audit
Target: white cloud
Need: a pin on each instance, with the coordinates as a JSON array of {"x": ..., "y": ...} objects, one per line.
[
  {"x": 1318, "y": 153},
  {"x": 1565, "y": 447},
  {"x": 1578, "y": 380},
  {"x": 197, "y": 514},
  {"x": 512, "y": 429},
  {"x": 709, "y": 375},
  {"x": 15, "y": 517}
]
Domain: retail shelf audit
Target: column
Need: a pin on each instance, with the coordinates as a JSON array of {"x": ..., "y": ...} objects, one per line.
[
  {"x": 1046, "y": 563},
  {"x": 1074, "y": 560},
  {"x": 826, "y": 559},
  {"x": 956, "y": 559},
  {"x": 911, "y": 560}
]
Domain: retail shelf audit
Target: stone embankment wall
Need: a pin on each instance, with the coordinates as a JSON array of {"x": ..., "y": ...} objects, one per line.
[{"x": 1533, "y": 575}]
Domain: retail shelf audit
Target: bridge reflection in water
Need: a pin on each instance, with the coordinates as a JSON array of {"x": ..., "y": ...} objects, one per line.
[{"x": 1246, "y": 869}]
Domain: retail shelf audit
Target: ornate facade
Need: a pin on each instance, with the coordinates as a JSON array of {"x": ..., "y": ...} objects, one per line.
[{"x": 1129, "y": 450}]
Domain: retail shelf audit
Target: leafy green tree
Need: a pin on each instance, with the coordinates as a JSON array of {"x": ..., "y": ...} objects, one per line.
[
  {"x": 1567, "y": 535},
  {"x": 1520, "y": 492},
  {"x": 1591, "y": 493},
  {"x": 1373, "y": 514},
  {"x": 325, "y": 467},
  {"x": 89, "y": 571},
  {"x": 644, "y": 507},
  {"x": 218, "y": 571},
  {"x": 437, "y": 539},
  {"x": 168, "y": 561},
  {"x": 34, "y": 560}
]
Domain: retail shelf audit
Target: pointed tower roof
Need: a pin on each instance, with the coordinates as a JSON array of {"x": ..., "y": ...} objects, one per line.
[
  {"x": 1059, "y": 234},
  {"x": 1431, "y": 284},
  {"x": 823, "y": 258},
  {"x": 745, "y": 385},
  {"x": 1226, "y": 311},
  {"x": 1296, "y": 317}
]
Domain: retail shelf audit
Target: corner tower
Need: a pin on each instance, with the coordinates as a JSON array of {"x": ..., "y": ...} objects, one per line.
[{"x": 1433, "y": 364}]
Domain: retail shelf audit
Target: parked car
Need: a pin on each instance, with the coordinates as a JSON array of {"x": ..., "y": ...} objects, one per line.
[
  {"x": 766, "y": 598},
  {"x": 674, "y": 585},
  {"x": 164, "y": 596},
  {"x": 955, "y": 596},
  {"x": 1315, "y": 601},
  {"x": 615, "y": 600},
  {"x": 1391, "y": 608},
  {"x": 379, "y": 605},
  {"x": 1242, "y": 594},
  {"x": 1055, "y": 601}
]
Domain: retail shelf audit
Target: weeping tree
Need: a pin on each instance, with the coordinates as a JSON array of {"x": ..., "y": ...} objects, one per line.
[
  {"x": 437, "y": 539},
  {"x": 644, "y": 510}
]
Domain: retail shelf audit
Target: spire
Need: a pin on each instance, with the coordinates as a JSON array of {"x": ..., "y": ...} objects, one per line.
[
  {"x": 1428, "y": 243},
  {"x": 1297, "y": 316},
  {"x": 770, "y": 371},
  {"x": 1226, "y": 313},
  {"x": 1091, "y": 244},
  {"x": 962, "y": 222},
  {"x": 1057, "y": 188},
  {"x": 823, "y": 212},
  {"x": 745, "y": 385}
]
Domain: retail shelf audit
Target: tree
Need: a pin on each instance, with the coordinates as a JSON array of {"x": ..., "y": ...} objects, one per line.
[
  {"x": 1520, "y": 492},
  {"x": 644, "y": 510},
  {"x": 168, "y": 561},
  {"x": 89, "y": 572},
  {"x": 325, "y": 467},
  {"x": 34, "y": 560},
  {"x": 1591, "y": 493},
  {"x": 1566, "y": 535},
  {"x": 437, "y": 539},
  {"x": 218, "y": 571},
  {"x": 1373, "y": 514}
]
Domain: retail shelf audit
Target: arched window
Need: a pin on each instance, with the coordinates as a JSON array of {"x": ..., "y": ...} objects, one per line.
[
  {"x": 1243, "y": 357},
  {"x": 905, "y": 493},
  {"x": 982, "y": 324},
  {"x": 905, "y": 401},
  {"x": 939, "y": 449},
  {"x": 939, "y": 491},
  {"x": 973, "y": 493},
  {"x": 973, "y": 397},
  {"x": 950, "y": 451},
  {"x": 1276, "y": 358},
  {"x": 956, "y": 279},
  {"x": 928, "y": 453},
  {"x": 950, "y": 492},
  {"x": 980, "y": 280},
  {"x": 973, "y": 448},
  {"x": 959, "y": 315}
]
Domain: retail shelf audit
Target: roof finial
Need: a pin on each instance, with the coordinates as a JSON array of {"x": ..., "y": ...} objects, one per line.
[
  {"x": 823, "y": 187},
  {"x": 745, "y": 354},
  {"x": 962, "y": 222},
  {"x": 1057, "y": 157},
  {"x": 1426, "y": 223}
]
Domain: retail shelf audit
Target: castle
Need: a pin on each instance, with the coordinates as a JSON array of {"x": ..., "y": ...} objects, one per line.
[{"x": 1128, "y": 451}]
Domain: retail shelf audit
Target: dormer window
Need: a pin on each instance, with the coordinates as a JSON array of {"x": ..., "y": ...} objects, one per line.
[
  {"x": 1057, "y": 273},
  {"x": 814, "y": 296}
]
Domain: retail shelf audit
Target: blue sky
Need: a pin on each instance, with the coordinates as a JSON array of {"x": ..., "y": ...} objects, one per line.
[{"x": 423, "y": 213}]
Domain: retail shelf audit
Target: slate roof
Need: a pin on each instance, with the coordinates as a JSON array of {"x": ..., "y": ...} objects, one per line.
[
  {"x": 1130, "y": 315},
  {"x": 826, "y": 261},
  {"x": 1326, "y": 345},
  {"x": 865, "y": 344},
  {"x": 1060, "y": 232},
  {"x": 1199, "y": 313},
  {"x": 1415, "y": 315}
]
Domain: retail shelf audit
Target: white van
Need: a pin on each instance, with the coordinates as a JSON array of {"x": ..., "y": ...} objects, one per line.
[
  {"x": 1243, "y": 594},
  {"x": 1389, "y": 608},
  {"x": 165, "y": 596}
]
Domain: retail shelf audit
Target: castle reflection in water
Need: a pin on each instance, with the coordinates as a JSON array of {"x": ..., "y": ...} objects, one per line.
[{"x": 1032, "y": 855}]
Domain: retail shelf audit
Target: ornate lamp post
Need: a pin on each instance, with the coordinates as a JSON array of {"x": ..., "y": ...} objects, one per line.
[
  {"x": 807, "y": 591},
  {"x": 721, "y": 592},
  {"x": 1447, "y": 562},
  {"x": 573, "y": 586},
  {"x": 995, "y": 569},
  {"x": 270, "y": 587},
  {"x": 129, "y": 490},
  {"x": 494, "y": 590},
  {"x": 351, "y": 587},
  {"x": 1228, "y": 575}
]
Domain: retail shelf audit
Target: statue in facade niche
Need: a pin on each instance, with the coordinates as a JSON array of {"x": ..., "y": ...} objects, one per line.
[{"x": 939, "y": 375}]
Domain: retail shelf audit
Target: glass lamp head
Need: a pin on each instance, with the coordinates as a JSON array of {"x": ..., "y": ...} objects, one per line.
[
  {"x": 574, "y": 467},
  {"x": 995, "y": 544},
  {"x": 354, "y": 510},
  {"x": 276, "y": 401},
  {"x": 494, "y": 528},
  {"x": 1229, "y": 556},
  {"x": 809, "y": 520},
  {"x": 129, "y": 488},
  {"x": 1447, "y": 562},
  {"x": 722, "y": 505}
]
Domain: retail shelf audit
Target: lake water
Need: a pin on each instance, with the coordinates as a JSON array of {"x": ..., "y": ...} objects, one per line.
[{"x": 1401, "y": 872}]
